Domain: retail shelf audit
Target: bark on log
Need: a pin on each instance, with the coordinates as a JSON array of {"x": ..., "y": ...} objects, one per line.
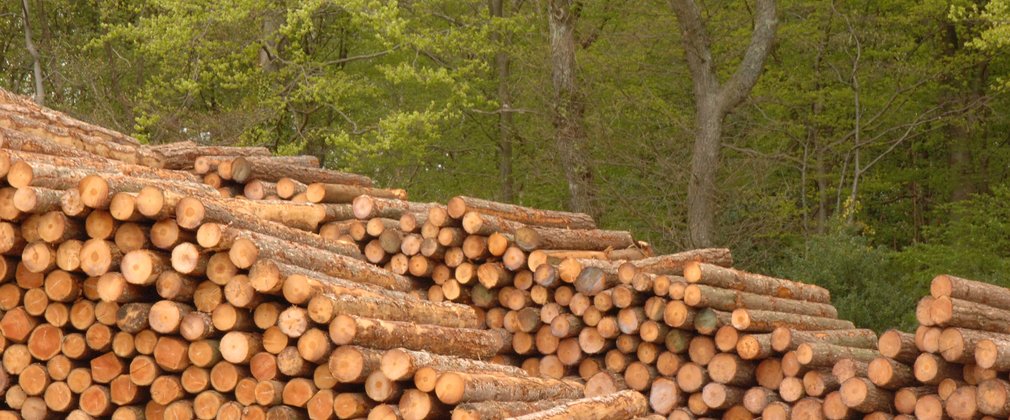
[
  {"x": 387, "y": 335},
  {"x": 728, "y": 278},
  {"x": 400, "y": 363},
  {"x": 531, "y": 238},
  {"x": 698, "y": 295},
  {"x": 457, "y": 387},
  {"x": 786, "y": 339},
  {"x": 619, "y": 405},
  {"x": 245, "y": 168},
  {"x": 768, "y": 321},
  {"x": 458, "y": 206}
]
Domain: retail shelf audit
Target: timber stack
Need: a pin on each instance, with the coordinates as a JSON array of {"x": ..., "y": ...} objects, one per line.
[{"x": 188, "y": 281}]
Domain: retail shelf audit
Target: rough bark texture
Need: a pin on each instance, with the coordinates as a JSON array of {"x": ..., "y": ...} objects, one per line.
[
  {"x": 385, "y": 335},
  {"x": 619, "y": 405},
  {"x": 713, "y": 101},
  {"x": 570, "y": 135}
]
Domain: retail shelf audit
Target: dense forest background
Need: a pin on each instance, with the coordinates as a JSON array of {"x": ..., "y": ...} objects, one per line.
[{"x": 871, "y": 154}]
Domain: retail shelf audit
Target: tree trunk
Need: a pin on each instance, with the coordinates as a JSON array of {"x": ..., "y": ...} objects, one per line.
[
  {"x": 40, "y": 90},
  {"x": 505, "y": 126},
  {"x": 713, "y": 101},
  {"x": 570, "y": 134}
]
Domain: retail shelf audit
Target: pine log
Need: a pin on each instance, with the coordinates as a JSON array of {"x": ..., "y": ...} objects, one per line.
[
  {"x": 931, "y": 369},
  {"x": 890, "y": 374},
  {"x": 698, "y": 295},
  {"x": 456, "y": 387},
  {"x": 905, "y": 398},
  {"x": 963, "y": 403},
  {"x": 826, "y": 355},
  {"x": 531, "y": 238},
  {"x": 387, "y": 335},
  {"x": 945, "y": 285},
  {"x": 993, "y": 353},
  {"x": 950, "y": 312},
  {"x": 673, "y": 264},
  {"x": 728, "y": 278},
  {"x": 400, "y": 363},
  {"x": 767, "y": 321},
  {"x": 458, "y": 206},
  {"x": 898, "y": 345},
  {"x": 958, "y": 344},
  {"x": 500, "y": 410},
  {"x": 786, "y": 339},
  {"x": 994, "y": 398},
  {"x": 861, "y": 395},
  {"x": 245, "y": 168},
  {"x": 620, "y": 405}
]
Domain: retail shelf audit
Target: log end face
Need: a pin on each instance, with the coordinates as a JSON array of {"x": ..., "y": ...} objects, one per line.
[
  {"x": 986, "y": 354},
  {"x": 20, "y": 174},
  {"x": 854, "y": 391},
  {"x": 692, "y": 271},
  {"x": 25, "y": 199},
  {"x": 209, "y": 235},
  {"x": 150, "y": 201},
  {"x": 343, "y": 328},
  {"x": 740, "y": 319},
  {"x": 363, "y": 206},
  {"x": 880, "y": 371},
  {"x": 190, "y": 212},
  {"x": 456, "y": 207},
  {"x": 450, "y": 387},
  {"x": 942, "y": 285}
]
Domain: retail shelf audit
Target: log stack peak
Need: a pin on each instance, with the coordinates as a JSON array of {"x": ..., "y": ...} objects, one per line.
[{"x": 188, "y": 281}]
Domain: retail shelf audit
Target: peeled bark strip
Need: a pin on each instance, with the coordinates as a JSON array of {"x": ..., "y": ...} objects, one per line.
[
  {"x": 699, "y": 295},
  {"x": 458, "y": 206},
  {"x": 728, "y": 278},
  {"x": 387, "y": 335},
  {"x": 620, "y": 405},
  {"x": 786, "y": 339},
  {"x": 398, "y": 364},
  {"x": 768, "y": 321},
  {"x": 456, "y": 387},
  {"x": 531, "y": 238}
]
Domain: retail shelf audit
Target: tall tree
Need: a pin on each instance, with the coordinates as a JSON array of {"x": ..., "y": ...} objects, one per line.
[
  {"x": 569, "y": 107},
  {"x": 40, "y": 90},
  {"x": 505, "y": 125},
  {"x": 713, "y": 101}
]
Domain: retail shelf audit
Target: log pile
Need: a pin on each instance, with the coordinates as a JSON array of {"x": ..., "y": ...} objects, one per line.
[{"x": 188, "y": 281}]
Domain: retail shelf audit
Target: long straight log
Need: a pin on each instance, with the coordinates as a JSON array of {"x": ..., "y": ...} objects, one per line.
[
  {"x": 768, "y": 321},
  {"x": 950, "y": 312},
  {"x": 457, "y": 387},
  {"x": 826, "y": 355},
  {"x": 699, "y": 295},
  {"x": 458, "y": 206},
  {"x": 786, "y": 339},
  {"x": 619, "y": 405},
  {"x": 387, "y": 335},
  {"x": 245, "y": 168},
  {"x": 993, "y": 353},
  {"x": 398, "y": 364},
  {"x": 673, "y": 264},
  {"x": 531, "y": 238},
  {"x": 728, "y": 278},
  {"x": 945, "y": 285}
]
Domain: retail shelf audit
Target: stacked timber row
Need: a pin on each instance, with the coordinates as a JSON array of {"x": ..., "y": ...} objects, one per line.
[
  {"x": 137, "y": 291},
  {"x": 959, "y": 355}
]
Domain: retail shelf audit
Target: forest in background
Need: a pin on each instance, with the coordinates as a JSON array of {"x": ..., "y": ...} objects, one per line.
[{"x": 871, "y": 154}]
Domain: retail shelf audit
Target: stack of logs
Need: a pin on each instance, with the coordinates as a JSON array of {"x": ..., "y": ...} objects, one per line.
[{"x": 186, "y": 281}]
